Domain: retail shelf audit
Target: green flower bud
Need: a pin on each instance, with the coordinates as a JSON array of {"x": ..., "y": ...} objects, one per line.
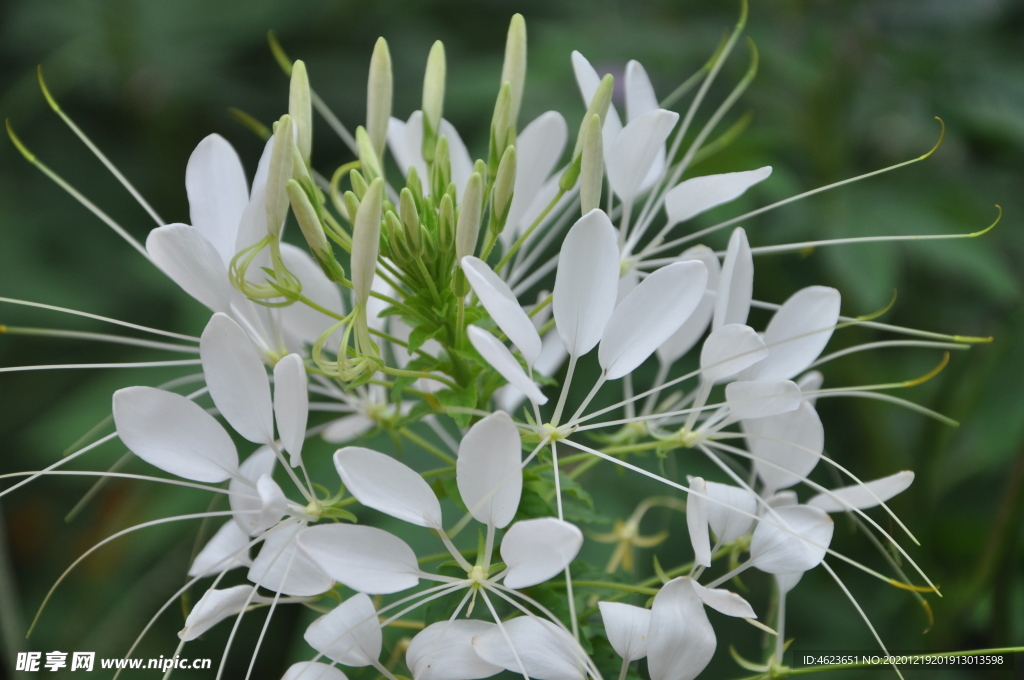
[
  {"x": 433, "y": 99},
  {"x": 366, "y": 241},
  {"x": 410, "y": 219},
  {"x": 468, "y": 229},
  {"x": 300, "y": 108},
  {"x": 441, "y": 170},
  {"x": 312, "y": 229},
  {"x": 351, "y": 205},
  {"x": 396, "y": 236},
  {"x": 368, "y": 159},
  {"x": 278, "y": 174},
  {"x": 358, "y": 184},
  {"x": 412, "y": 181},
  {"x": 501, "y": 133},
  {"x": 378, "y": 97},
  {"x": 513, "y": 71},
  {"x": 504, "y": 186},
  {"x": 592, "y": 165},
  {"x": 446, "y": 223}
]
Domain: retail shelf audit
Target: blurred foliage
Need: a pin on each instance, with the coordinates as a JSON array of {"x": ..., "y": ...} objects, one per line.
[{"x": 844, "y": 88}]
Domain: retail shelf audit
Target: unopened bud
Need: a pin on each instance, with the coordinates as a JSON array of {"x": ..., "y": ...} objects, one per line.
[
  {"x": 468, "y": 228},
  {"x": 441, "y": 170},
  {"x": 412, "y": 181},
  {"x": 300, "y": 108},
  {"x": 278, "y": 174},
  {"x": 513, "y": 71},
  {"x": 501, "y": 134},
  {"x": 599, "y": 104},
  {"x": 433, "y": 99},
  {"x": 368, "y": 159},
  {"x": 358, "y": 183},
  {"x": 446, "y": 223},
  {"x": 504, "y": 187},
  {"x": 592, "y": 166},
  {"x": 378, "y": 97},
  {"x": 366, "y": 241},
  {"x": 410, "y": 218},
  {"x": 312, "y": 229},
  {"x": 351, "y": 205},
  {"x": 396, "y": 236}
]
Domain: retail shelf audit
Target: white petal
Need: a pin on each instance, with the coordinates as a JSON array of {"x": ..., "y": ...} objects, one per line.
[
  {"x": 680, "y": 342},
  {"x": 788, "y": 581},
  {"x": 301, "y": 320},
  {"x": 217, "y": 193},
  {"x": 626, "y": 628},
  {"x": 588, "y": 82},
  {"x": 861, "y": 496},
  {"x": 733, "y": 513},
  {"x": 313, "y": 670},
  {"x": 538, "y": 148},
  {"x": 586, "y": 282},
  {"x": 444, "y": 651},
  {"x": 791, "y": 441},
  {"x": 798, "y": 332},
  {"x": 501, "y": 360},
  {"x": 273, "y": 504},
  {"x": 213, "y": 607},
  {"x": 380, "y": 482},
  {"x": 697, "y": 521},
  {"x": 635, "y": 150},
  {"x": 782, "y": 499},
  {"x": 547, "y": 652},
  {"x": 801, "y": 546},
  {"x": 692, "y": 197},
  {"x": 489, "y": 470},
  {"x": 237, "y": 379},
  {"x": 649, "y": 315},
  {"x": 536, "y": 549},
  {"x": 501, "y": 303},
  {"x": 736, "y": 285},
  {"x": 366, "y": 559},
  {"x": 244, "y": 498},
  {"x": 725, "y": 601},
  {"x": 225, "y": 550},
  {"x": 406, "y": 150},
  {"x": 174, "y": 434},
  {"x": 192, "y": 262},
  {"x": 682, "y": 641},
  {"x": 640, "y": 96},
  {"x": 728, "y": 350},
  {"x": 282, "y": 567},
  {"x": 810, "y": 382},
  {"x": 347, "y": 428},
  {"x": 753, "y": 399},
  {"x": 458, "y": 156},
  {"x": 291, "y": 404},
  {"x": 349, "y": 634}
]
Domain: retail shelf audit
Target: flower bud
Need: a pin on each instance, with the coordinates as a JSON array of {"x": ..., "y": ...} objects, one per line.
[
  {"x": 412, "y": 181},
  {"x": 358, "y": 184},
  {"x": 468, "y": 229},
  {"x": 441, "y": 170},
  {"x": 433, "y": 99},
  {"x": 278, "y": 174},
  {"x": 598, "y": 105},
  {"x": 513, "y": 71},
  {"x": 366, "y": 241},
  {"x": 351, "y": 206},
  {"x": 378, "y": 97},
  {"x": 504, "y": 186},
  {"x": 300, "y": 108},
  {"x": 313, "y": 230},
  {"x": 502, "y": 135},
  {"x": 410, "y": 218},
  {"x": 368, "y": 159},
  {"x": 446, "y": 223},
  {"x": 592, "y": 165}
]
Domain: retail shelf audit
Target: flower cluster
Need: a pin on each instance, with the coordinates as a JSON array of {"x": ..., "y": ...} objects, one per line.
[{"x": 450, "y": 301}]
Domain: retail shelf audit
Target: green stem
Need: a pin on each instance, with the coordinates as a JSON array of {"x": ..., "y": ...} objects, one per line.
[
  {"x": 427, "y": 446},
  {"x": 418, "y": 374},
  {"x": 526, "y": 234}
]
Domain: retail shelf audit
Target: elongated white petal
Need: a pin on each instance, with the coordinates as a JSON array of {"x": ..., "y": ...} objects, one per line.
[
  {"x": 349, "y": 634},
  {"x": 725, "y": 601},
  {"x": 281, "y": 567},
  {"x": 681, "y": 641},
  {"x": 588, "y": 82},
  {"x": 501, "y": 360},
  {"x": 754, "y": 399},
  {"x": 406, "y": 143},
  {"x": 212, "y": 608},
  {"x": 728, "y": 350},
  {"x": 798, "y": 332},
  {"x": 731, "y": 516},
  {"x": 174, "y": 434},
  {"x": 736, "y": 286},
  {"x": 300, "y": 320},
  {"x": 635, "y": 149},
  {"x": 538, "y": 148},
  {"x": 291, "y": 404},
  {"x": 313, "y": 670},
  {"x": 646, "y": 317},
  {"x": 225, "y": 550},
  {"x": 626, "y": 628},
  {"x": 237, "y": 379},
  {"x": 866, "y": 495},
  {"x": 640, "y": 96},
  {"x": 536, "y": 549},
  {"x": 243, "y": 495},
  {"x": 801, "y": 547},
  {"x": 347, "y": 428},
  {"x": 192, "y": 262},
  {"x": 366, "y": 559},
  {"x": 680, "y": 342},
  {"x": 501, "y": 303},
  {"x": 547, "y": 652},
  {"x": 586, "y": 282},
  {"x": 692, "y": 197},
  {"x": 380, "y": 482},
  {"x": 489, "y": 470},
  {"x": 217, "y": 193},
  {"x": 793, "y": 441},
  {"x": 788, "y": 581},
  {"x": 444, "y": 651},
  {"x": 697, "y": 521}
]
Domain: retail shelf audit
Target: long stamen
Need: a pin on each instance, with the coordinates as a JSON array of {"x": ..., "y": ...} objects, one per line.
[
  {"x": 100, "y": 337},
  {"x": 130, "y": 364},
  {"x": 97, "y": 317}
]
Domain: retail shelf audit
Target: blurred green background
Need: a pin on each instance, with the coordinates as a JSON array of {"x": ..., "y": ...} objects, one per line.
[{"x": 844, "y": 88}]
